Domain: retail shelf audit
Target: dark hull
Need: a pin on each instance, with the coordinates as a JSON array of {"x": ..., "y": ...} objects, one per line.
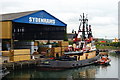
[{"x": 61, "y": 65}]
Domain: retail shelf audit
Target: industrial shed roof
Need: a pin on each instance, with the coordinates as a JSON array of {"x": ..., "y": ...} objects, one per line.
[
  {"x": 12, "y": 16},
  {"x": 33, "y": 17}
]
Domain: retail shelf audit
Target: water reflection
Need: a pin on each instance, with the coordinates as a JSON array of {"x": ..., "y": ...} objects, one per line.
[
  {"x": 84, "y": 72},
  {"x": 92, "y": 71}
]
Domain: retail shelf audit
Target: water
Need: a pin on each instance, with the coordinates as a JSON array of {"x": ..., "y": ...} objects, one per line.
[{"x": 92, "y": 71}]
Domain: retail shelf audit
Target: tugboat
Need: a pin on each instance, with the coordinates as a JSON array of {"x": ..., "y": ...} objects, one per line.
[{"x": 83, "y": 51}]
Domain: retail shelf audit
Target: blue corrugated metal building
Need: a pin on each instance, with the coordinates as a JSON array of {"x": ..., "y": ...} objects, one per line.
[
  {"x": 29, "y": 26},
  {"x": 35, "y": 25}
]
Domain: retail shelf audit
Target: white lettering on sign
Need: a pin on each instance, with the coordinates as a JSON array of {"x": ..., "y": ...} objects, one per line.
[{"x": 41, "y": 20}]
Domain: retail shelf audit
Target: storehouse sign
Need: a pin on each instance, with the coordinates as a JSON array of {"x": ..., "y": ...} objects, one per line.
[
  {"x": 40, "y": 17},
  {"x": 41, "y": 20}
]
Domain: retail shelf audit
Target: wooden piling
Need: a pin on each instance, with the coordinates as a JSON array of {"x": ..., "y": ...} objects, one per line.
[{"x": 21, "y": 64}]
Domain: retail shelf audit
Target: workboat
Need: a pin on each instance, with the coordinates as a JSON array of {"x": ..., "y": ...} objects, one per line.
[
  {"x": 104, "y": 60},
  {"x": 81, "y": 53}
]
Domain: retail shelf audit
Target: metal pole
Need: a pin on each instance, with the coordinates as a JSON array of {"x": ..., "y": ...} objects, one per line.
[
  {"x": 83, "y": 31},
  {"x": 11, "y": 36}
]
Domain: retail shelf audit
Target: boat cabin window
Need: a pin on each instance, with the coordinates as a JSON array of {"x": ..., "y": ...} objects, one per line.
[
  {"x": 75, "y": 57},
  {"x": 57, "y": 55}
]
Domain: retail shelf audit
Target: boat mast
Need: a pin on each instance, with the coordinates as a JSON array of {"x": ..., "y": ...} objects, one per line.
[
  {"x": 84, "y": 23},
  {"x": 83, "y": 30}
]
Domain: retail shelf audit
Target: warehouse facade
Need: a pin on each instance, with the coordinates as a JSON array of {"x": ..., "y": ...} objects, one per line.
[{"x": 31, "y": 25}]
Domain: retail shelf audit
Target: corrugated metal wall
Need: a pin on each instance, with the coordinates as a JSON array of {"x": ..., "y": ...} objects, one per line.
[{"x": 23, "y": 31}]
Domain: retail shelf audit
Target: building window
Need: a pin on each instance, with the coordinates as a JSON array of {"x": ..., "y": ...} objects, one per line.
[
  {"x": 22, "y": 29},
  {"x": 14, "y": 30},
  {"x": 17, "y": 30}
]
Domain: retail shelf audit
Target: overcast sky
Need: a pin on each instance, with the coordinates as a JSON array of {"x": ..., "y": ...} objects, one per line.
[{"x": 102, "y": 14}]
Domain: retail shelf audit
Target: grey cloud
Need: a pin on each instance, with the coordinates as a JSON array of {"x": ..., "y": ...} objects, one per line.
[{"x": 69, "y": 11}]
